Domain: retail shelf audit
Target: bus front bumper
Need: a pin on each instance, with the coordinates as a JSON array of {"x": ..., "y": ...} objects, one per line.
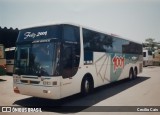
[{"x": 38, "y": 91}]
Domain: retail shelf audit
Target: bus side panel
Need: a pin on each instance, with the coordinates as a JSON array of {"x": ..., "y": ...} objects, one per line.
[
  {"x": 122, "y": 63},
  {"x": 101, "y": 68},
  {"x": 106, "y": 68}
]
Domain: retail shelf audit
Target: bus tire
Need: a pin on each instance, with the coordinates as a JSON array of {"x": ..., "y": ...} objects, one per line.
[
  {"x": 131, "y": 74},
  {"x": 135, "y": 72},
  {"x": 87, "y": 85}
]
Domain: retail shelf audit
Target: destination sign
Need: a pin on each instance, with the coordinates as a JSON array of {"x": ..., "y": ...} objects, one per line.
[{"x": 39, "y": 33}]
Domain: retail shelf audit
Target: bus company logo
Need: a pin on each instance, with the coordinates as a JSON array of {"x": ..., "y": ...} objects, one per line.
[
  {"x": 33, "y": 35},
  {"x": 118, "y": 62},
  {"x": 6, "y": 109}
]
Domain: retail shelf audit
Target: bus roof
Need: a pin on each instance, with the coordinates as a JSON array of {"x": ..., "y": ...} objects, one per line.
[{"x": 78, "y": 25}]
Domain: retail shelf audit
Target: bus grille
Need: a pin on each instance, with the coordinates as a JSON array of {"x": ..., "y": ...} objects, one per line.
[{"x": 30, "y": 82}]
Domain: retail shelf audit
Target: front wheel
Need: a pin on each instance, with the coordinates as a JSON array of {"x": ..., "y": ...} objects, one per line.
[
  {"x": 86, "y": 87},
  {"x": 135, "y": 73}
]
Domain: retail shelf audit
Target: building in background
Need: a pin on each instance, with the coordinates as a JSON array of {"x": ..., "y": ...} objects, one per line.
[
  {"x": 156, "y": 57},
  {"x": 151, "y": 52},
  {"x": 8, "y": 38},
  {"x": 2, "y": 60},
  {"x": 10, "y": 52}
]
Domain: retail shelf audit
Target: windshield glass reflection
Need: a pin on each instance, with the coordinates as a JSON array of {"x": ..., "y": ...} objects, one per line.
[{"x": 38, "y": 59}]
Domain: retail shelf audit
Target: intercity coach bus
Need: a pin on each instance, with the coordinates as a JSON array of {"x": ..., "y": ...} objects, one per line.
[{"x": 59, "y": 60}]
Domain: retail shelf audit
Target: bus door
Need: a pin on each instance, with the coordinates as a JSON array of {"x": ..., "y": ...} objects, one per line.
[{"x": 69, "y": 67}]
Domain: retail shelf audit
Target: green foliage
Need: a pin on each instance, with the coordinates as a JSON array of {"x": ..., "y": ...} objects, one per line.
[{"x": 150, "y": 44}]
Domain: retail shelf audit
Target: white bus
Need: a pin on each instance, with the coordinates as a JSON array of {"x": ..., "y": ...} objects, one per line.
[
  {"x": 60, "y": 60},
  {"x": 10, "y": 52},
  {"x": 147, "y": 57}
]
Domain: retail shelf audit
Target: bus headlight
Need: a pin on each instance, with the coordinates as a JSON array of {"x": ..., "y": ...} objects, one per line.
[
  {"x": 49, "y": 83},
  {"x": 46, "y": 83},
  {"x": 54, "y": 83}
]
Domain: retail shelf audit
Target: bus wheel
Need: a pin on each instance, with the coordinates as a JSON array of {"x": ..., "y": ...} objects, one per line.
[
  {"x": 135, "y": 73},
  {"x": 86, "y": 86},
  {"x": 131, "y": 74}
]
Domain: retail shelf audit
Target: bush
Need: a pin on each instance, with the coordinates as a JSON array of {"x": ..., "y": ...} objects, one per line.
[{"x": 2, "y": 70}]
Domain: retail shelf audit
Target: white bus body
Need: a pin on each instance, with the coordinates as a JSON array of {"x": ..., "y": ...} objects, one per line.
[
  {"x": 147, "y": 58},
  {"x": 81, "y": 59}
]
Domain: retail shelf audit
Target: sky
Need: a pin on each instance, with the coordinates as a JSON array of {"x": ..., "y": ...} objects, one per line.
[{"x": 132, "y": 19}]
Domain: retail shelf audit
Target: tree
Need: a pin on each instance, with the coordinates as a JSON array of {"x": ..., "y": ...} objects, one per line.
[
  {"x": 150, "y": 44},
  {"x": 149, "y": 40}
]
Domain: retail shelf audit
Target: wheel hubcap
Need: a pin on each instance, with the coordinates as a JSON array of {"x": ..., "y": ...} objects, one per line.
[
  {"x": 130, "y": 76},
  {"x": 135, "y": 73},
  {"x": 86, "y": 86}
]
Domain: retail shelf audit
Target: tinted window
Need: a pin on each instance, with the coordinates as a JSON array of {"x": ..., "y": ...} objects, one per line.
[
  {"x": 95, "y": 41},
  {"x": 42, "y": 58},
  {"x": 70, "y": 59},
  {"x": 71, "y": 33},
  {"x": 132, "y": 48},
  {"x": 70, "y": 50},
  {"x": 118, "y": 45},
  {"x": 23, "y": 53}
]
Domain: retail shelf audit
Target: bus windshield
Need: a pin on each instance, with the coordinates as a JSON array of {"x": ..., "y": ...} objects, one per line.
[{"x": 39, "y": 59}]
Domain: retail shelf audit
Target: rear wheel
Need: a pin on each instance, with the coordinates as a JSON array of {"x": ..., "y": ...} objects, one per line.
[
  {"x": 131, "y": 74},
  {"x": 135, "y": 73}
]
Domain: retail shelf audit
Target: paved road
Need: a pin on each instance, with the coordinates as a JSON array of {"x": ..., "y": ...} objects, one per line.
[{"x": 144, "y": 91}]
